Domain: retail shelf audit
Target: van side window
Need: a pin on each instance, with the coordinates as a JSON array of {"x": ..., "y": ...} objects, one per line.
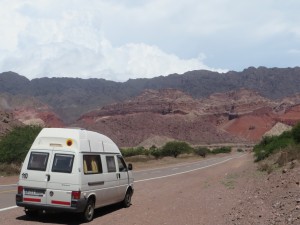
[
  {"x": 111, "y": 165},
  {"x": 122, "y": 164},
  {"x": 38, "y": 161},
  {"x": 63, "y": 163},
  {"x": 92, "y": 164}
]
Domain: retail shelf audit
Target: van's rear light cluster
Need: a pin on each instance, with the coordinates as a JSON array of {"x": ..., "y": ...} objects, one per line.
[
  {"x": 20, "y": 189},
  {"x": 19, "y": 196},
  {"x": 76, "y": 195}
]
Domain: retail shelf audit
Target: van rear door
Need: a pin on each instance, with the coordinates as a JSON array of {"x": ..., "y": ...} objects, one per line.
[
  {"x": 62, "y": 179},
  {"x": 33, "y": 177}
]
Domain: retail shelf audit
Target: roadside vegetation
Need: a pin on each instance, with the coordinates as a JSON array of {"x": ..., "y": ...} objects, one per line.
[
  {"x": 172, "y": 149},
  {"x": 14, "y": 147},
  {"x": 281, "y": 150}
]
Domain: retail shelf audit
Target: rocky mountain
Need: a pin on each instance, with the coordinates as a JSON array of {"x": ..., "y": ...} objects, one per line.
[
  {"x": 241, "y": 116},
  {"x": 29, "y": 110},
  {"x": 200, "y": 107},
  {"x": 71, "y": 97},
  {"x": 167, "y": 113}
]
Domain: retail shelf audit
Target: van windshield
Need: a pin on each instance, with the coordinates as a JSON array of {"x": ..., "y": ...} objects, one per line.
[
  {"x": 38, "y": 161},
  {"x": 62, "y": 163}
]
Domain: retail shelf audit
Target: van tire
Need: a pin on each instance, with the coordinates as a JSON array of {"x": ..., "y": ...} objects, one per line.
[
  {"x": 127, "y": 199},
  {"x": 31, "y": 213},
  {"x": 88, "y": 213}
]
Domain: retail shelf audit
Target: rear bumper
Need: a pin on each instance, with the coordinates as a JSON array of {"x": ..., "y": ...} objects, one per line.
[{"x": 76, "y": 205}]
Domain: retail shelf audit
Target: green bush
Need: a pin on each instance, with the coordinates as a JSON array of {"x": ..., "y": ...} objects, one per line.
[
  {"x": 128, "y": 152},
  {"x": 221, "y": 150},
  {"x": 15, "y": 144},
  {"x": 201, "y": 151},
  {"x": 156, "y": 153},
  {"x": 269, "y": 145},
  {"x": 296, "y": 133},
  {"x": 175, "y": 148}
]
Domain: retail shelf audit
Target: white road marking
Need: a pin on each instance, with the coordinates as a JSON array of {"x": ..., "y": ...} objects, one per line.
[
  {"x": 188, "y": 171},
  {"x": 8, "y": 208}
]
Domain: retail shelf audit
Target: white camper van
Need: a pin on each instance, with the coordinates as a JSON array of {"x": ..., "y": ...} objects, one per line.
[{"x": 73, "y": 170}]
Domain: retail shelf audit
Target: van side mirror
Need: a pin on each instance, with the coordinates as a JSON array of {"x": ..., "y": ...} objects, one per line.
[{"x": 129, "y": 166}]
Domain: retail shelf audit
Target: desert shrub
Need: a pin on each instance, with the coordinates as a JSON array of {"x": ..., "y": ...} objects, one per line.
[
  {"x": 201, "y": 151},
  {"x": 265, "y": 167},
  {"x": 221, "y": 150},
  {"x": 296, "y": 133},
  {"x": 15, "y": 144},
  {"x": 156, "y": 153},
  {"x": 152, "y": 148},
  {"x": 175, "y": 148},
  {"x": 269, "y": 145},
  {"x": 128, "y": 152},
  {"x": 240, "y": 150},
  {"x": 288, "y": 154}
]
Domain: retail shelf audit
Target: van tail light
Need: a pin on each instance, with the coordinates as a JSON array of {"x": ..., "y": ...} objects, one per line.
[
  {"x": 76, "y": 194},
  {"x": 19, "y": 196},
  {"x": 20, "y": 189}
]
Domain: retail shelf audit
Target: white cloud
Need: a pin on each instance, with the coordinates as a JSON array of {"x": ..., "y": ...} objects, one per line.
[
  {"x": 118, "y": 40},
  {"x": 71, "y": 43},
  {"x": 114, "y": 63}
]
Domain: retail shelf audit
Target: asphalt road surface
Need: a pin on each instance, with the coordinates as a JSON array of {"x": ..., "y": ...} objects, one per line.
[{"x": 8, "y": 191}]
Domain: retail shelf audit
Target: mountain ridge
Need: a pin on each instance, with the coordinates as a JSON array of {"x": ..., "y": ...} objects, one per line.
[{"x": 71, "y": 97}]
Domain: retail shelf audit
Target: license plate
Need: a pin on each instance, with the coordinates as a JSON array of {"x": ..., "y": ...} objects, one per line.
[{"x": 34, "y": 192}]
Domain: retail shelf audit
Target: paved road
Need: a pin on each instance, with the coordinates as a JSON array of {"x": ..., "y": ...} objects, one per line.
[
  {"x": 7, "y": 192},
  {"x": 159, "y": 173},
  {"x": 7, "y": 195}
]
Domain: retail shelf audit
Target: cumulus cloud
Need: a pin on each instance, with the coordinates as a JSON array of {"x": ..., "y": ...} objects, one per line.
[
  {"x": 118, "y": 40},
  {"x": 67, "y": 40}
]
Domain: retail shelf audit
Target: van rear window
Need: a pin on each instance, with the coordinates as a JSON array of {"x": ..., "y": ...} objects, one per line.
[
  {"x": 38, "y": 161},
  {"x": 63, "y": 163}
]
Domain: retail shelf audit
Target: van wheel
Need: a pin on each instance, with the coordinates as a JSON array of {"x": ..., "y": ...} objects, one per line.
[
  {"x": 127, "y": 199},
  {"x": 88, "y": 213},
  {"x": 31, "y": 213}
]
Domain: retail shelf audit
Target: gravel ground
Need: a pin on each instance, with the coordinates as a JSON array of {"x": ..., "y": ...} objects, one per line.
[{"x": 270, "y": 199}]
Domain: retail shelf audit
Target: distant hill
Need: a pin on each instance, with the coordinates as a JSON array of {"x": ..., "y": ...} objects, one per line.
[
  {"x": 71, "y": 97},
  {"x": 7, "y": 122}
]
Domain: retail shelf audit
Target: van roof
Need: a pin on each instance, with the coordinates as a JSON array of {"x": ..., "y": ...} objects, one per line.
[{"x": 74, "y": 139}]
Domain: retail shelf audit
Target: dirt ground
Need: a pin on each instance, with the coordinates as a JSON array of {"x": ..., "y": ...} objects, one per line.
[
  {"x": 272, "y": 199},
  {"x": 232, "y": 193}
]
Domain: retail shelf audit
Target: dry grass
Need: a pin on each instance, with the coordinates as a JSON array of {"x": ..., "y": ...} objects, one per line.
[
  {"x": 288, "y": 154},
  {"x": 266, "y": 167},
  {"x": 9, "y": 169},
  {"x": 280, "y": 159}
]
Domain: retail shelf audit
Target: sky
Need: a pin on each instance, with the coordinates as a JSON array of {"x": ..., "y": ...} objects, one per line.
[{"x": 127, "y": 39}]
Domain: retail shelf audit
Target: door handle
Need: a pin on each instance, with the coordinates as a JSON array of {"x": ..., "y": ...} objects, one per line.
[{"x": 48, "y": 177}]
